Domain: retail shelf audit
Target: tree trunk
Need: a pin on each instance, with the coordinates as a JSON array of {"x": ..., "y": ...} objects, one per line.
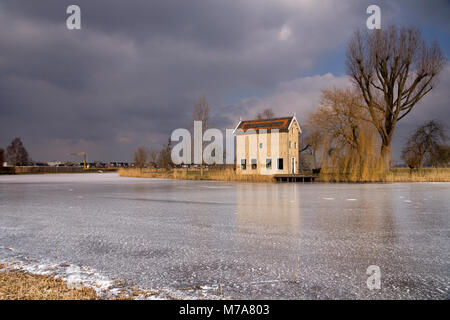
[
  {"x": 385, "y": 156},
  {"x": 386, "y": 139}
]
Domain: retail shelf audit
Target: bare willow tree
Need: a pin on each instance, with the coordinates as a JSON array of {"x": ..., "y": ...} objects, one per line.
[
  {"x": 140, "y": 157},
  {"x": 344, "y": 140},
  {"x": 265, "y": 114},
  {"x": 425, "y": 143},
  {"x": 393, "y": 69},
  {"x": 201, "y": 113},
  {"x": 164, "y": 157},
  {"x": 440, "y": 156},
  {"x": 153, "y": 155},
  {"x": 310, "y": 141}
]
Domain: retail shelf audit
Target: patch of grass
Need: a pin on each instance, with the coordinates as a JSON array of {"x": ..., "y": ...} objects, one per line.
[
  {"x": 183, "y": 174},
  {"x": 326, "y": 175},
  {"x": 421, "y": 175},
  {"x": 21, "y": 285},
  {"x": 392, "y": 175},
  {"x": 17, "y": 284}
]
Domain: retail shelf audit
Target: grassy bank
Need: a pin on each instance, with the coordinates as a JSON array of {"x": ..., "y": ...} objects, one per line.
[
  {"x": 329, "y": 175},
  {"x": 16, "y": 283},
  {"x": 182, "y": 174},
  {"x": 21, "y": 285},
  {"x": 393, "y": 175}
]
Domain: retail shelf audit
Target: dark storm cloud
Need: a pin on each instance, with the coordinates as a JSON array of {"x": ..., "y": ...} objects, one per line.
[{"x": 131, "y": 75}]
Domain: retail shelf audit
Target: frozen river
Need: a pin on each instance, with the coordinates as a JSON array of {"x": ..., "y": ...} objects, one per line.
[{"x": 243, "y": 240}]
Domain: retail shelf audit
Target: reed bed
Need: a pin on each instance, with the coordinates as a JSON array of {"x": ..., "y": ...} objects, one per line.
[
  {"x": 357, "y": 175},
  {"x": 227, "y": 174},
  {"x": 392, "y": 175},
  {"x": 421, "y": 175}
]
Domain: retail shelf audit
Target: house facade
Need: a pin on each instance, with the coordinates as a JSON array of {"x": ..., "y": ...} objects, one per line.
[{"x": 269, "y": 146}]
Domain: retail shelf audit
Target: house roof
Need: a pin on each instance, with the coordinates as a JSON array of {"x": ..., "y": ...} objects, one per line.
[{"x": 282, "y": 124}]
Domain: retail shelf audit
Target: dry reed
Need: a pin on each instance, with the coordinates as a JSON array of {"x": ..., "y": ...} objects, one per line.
[
  {"x": 17, "y": 284},
  {"x": 366, "y": 172},
  {"x": 227, "y": 174}
]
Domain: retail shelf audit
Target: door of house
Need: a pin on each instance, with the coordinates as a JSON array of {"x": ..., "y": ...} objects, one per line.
[{"x": 293, "y": 165}]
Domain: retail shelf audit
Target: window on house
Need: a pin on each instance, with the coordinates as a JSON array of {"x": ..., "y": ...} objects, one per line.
[
  {"x": 280, "y": 163},
  {"x": 290, "y": 144},
  {"x": 253, "y": 162},
  {"x": 260, "y": 145},
  {"x": 295, "y": 145},
  {"x": 268, "y": 163},
  {"x": 243, "y": 164}
]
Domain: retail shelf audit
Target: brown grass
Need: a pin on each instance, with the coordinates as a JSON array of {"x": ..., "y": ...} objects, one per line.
[
  {"x": 363, "y": 173},
  {"x": 422, "y": 175},
  {"x": 21, "y": 285},
  {"x": 393, "y": 175},
  {"x": 183, "y": 174},
  {"x": 17, "y": 284}
]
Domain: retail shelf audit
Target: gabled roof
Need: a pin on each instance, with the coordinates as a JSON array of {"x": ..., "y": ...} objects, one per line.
[{"x": 281, "y": 124}]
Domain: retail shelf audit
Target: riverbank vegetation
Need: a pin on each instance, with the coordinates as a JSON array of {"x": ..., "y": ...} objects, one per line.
[
  {"x": 219, "y": 174},
  {"x": 327, "y": 175},
  {"x": 392, "y": 175},
  {"x": 21, "y": 285}
]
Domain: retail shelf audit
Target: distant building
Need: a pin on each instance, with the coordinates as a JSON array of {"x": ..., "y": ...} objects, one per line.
[
  {"x": 56, "y": 163},
  {"x": 263, "y": 159}
]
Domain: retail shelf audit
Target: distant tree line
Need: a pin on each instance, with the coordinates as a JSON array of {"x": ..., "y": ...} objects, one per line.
[{"x": 152, "y": 158}]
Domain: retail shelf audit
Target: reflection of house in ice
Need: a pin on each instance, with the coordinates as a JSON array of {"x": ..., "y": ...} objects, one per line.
[{"x": 272, "y": 207}]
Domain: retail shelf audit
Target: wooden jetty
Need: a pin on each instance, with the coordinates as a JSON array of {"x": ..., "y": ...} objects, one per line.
[{"x": 294, "y": 177}]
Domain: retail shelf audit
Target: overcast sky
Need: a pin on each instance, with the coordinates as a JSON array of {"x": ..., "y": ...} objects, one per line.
[{"x": 130, "y": 76}]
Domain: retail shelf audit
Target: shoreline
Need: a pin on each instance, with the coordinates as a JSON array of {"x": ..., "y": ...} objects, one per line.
[
  {"x": 17, "y": 283},
  {"x": 10, "y": 171},
  {"x": 393, "y": 176},
  {"x": 24, "y": 279},
  {"x": 20, "y": 281}
]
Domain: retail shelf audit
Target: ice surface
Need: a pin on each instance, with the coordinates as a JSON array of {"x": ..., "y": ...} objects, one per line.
[{"x": 241, "y": 240}]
